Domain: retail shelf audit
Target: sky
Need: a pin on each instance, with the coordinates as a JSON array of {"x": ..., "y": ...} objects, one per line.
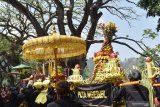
[{"x": 134, "y": 31}]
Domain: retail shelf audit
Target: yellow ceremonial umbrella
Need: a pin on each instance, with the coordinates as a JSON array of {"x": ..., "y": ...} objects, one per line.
[{"x": 53, "y": 47}]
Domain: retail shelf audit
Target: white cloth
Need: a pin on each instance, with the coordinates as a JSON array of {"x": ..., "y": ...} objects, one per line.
[{"x": 76, "y": 72}]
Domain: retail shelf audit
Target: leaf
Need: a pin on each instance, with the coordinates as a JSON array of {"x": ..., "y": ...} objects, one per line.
[{"x": 149, "y": 34}]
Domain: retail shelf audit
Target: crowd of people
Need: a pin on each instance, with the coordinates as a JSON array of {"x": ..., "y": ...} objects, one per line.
[
  {"x": 18, "y": 97},
  {"x": 26, "y": 96},
  {"x": 62, "y": 94}
]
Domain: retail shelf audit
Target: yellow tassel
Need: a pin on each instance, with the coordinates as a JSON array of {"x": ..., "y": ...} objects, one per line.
[
  {"x": 43, "y": 69},
  {"x": 42, "y": 97}
]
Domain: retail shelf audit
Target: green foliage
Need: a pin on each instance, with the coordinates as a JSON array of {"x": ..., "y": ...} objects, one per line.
[
  {"x": 149, "y": 33},
  {"x": 155, "y": 56},
  {"x": 158, "y": 47},
  {"x": 4, "y": 44},
  {"x": 152, "y": 7},
  {"x": 154, "y": 53}
]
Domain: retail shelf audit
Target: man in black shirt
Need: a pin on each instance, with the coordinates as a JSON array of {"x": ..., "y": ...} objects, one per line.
[
  {"x": 134, "y": 95},
  {"x": 62, "y": 90}
]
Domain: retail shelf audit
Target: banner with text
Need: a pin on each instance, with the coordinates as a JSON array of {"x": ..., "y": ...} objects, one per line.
[{"x": 97, "y": 94}]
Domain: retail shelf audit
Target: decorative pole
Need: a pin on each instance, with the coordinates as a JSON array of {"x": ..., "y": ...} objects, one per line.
[
  {"x": 149, "y": 81},
  {"x": 149, "y": 65},
  {"x": 55, "y": 55}
]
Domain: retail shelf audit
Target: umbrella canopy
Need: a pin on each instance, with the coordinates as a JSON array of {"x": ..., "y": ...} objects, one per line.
[
  {"x": 21, "y": 66},
  {"x": 45, "y": 47},
  {"x": 53, "y": 47}
]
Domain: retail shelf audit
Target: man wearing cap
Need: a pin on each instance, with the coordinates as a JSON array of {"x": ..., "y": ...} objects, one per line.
[
  {"x": 62, "y": 90},
  {"x": 134, "y": 95}
]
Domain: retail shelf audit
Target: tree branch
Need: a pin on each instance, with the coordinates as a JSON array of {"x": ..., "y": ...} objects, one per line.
[
  {"x": 60, "y": 19},
  {"x": 94, "y": 41},
  {"x": 69, "y": 18},
  {"x": 119, "y": 12},
  {"x": 122, "y": 43},
  {"x": 48, "y": 22},
  {"x": 137, "y": 42},
  {"x": 22, "y": 9},
  {"x": 107, "y": 1},
  {"x": 85, "y": 17},
  {"x": 94, "y": 20},
  {"x": 131, "y": 2},
  {"x": 6, "y": 36},
  {"x": 114, "y": 41}
]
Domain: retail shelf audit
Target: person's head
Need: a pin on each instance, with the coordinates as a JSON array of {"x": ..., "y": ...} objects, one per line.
[
  {"x": 62, "y": 88},
  {"x": 50, "y": 89},
  {"x": 77, "y": 66},
  {"x": 134, "y": 75}
]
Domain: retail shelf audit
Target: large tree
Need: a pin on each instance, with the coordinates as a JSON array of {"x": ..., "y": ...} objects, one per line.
[
  {"x": 153, "y": 10},
  {"x": 152, "y": 7},
  {"x": 24, "y": 19}
]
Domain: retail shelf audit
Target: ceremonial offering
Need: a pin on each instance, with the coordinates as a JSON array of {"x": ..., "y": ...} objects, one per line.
[
  {"x": 75, "y": 77},
  {"x": 107, "y": 66}
]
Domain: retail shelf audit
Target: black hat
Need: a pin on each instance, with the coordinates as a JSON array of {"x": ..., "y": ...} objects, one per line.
[{"x": 134, "y": 75}]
